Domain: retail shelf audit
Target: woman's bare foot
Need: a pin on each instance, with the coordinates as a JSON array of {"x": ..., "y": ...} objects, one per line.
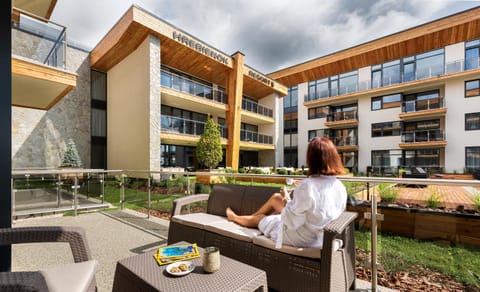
[{"x": 230, "y": 214}]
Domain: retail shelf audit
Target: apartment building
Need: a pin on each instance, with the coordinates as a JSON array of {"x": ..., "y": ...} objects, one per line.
[
  {"x": 139, "y": 100},
  {"x": 410, "y": 99}
]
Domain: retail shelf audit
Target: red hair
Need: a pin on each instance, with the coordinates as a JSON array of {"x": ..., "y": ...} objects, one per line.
[{"x": 323, "y": 158}]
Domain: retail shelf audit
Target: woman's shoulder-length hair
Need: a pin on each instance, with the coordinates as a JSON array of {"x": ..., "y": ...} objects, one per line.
[{"x": 323, "y": 158}]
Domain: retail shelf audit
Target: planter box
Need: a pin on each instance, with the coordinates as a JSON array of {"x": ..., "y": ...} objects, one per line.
[{"x": 425, "y": 224}]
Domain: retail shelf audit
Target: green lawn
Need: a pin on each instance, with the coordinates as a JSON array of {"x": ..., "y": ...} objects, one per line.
[{"x": 398, "y": 253}]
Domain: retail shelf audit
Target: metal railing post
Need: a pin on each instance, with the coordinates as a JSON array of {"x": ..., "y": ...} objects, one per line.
[
  {"x": 149, "y": 196},
  {"x": 122, "y": 191},
  {"x": 75, "y": 193},
  {"x": 102, "y": 182},
  {"x": 13, "y": 197},
  {"x": 59, "y": 191},
  {"x": 374, "y": 240}
]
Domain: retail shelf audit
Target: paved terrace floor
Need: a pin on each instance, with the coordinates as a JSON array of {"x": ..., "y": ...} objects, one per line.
[{"x": 111, "y": 236}]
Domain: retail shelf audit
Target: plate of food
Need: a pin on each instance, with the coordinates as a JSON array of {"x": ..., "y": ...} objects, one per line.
[{"x": 180, "y": 268}]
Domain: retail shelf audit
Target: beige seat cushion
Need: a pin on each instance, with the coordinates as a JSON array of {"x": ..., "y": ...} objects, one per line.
[
  {"x": 233, "y": 230},
  {"x": 308, "y": 252},
  {"x": 197, "y": 220},
  {"x": 75, "y": 277}
]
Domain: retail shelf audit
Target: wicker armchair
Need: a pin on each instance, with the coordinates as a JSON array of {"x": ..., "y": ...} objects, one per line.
[{"x": 78, "y": 276}]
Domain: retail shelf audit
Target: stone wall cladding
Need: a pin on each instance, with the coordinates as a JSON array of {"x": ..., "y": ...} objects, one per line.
[
  {"x": 39, "y": 137},
  {"x": 155, "y": 105}
]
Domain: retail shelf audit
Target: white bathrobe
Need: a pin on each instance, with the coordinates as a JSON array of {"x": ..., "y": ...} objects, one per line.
[{"x": 316, "y": 201}]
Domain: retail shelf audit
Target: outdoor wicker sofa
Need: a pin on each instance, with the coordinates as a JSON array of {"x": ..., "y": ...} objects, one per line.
[
  {"x": 331, "y": 268},
  {"x": 78, "y": 276}
]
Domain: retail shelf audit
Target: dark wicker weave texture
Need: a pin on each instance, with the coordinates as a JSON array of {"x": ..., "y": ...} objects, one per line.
[
  {"x": 34, "y": 281},
  {"x": 334, "y": 271}
]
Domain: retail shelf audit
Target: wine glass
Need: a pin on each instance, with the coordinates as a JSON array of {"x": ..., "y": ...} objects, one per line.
[{"x": 289, "y": 181}]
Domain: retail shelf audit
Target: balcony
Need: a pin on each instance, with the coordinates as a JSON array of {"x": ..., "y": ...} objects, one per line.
[
  {"x": 342, "y": 119},
  {"x": 459, "y": 67},
  {"x": 256, "y": 108},
  {"x": 250, "y": 140},
  {"x": 345, "y": 143},
  {"x": 39, "y": 78},
  {"x": 420, "y": 109},
  {"x": 188, "y": 94},
  {"x": 423, "y": 139}
]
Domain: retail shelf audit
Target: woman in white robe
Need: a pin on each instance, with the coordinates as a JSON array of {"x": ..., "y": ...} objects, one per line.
[{"x": 317, "y": 201}]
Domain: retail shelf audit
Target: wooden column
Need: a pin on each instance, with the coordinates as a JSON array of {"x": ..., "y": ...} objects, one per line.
[{"x": 233, "y": 115}]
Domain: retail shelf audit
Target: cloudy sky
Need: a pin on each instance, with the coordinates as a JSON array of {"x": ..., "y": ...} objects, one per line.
[{"x": 273, "y": 34}]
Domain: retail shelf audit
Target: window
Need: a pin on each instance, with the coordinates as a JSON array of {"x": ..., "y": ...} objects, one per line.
[
  {"x": 344, "y": 137},
  {"x": 472, "y": 158},
  {"x": 425, "y": 158},
  {"x": 341, "y": 113},
  {"x": 290, "y": 126},
  {"x": 290, "y": 101},
  {"x": 317, "y": 112},
  {"x": 386, "y": 129},
  {"x": 332, "y": 86},
  {"x": 430, "y": 64},
  {"x": 99, "y": 122},
  {"x": 472, "y": 88},
  {"x": 472, "y": 54},
  {"x": 317, "y": 133},
  {"x": 98, "y": 116},
  {"x": 387, "y": 101},
  {"x": 472, "y": 121},
  {"x": 386, "y": 158},
  {"x": 410, "y": 68},
  {"x": 422, "y": 101}
]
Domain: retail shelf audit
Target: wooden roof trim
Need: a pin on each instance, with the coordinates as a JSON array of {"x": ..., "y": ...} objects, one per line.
[
  {"x": 53, "y": 3},
  {"x": 463, "y": 18},
  {"x": 111, "y": 38},
  {"x": 138, "y": 19},
  {"x": 29, "y": 69},
  {"x": 270, "y": 84}
]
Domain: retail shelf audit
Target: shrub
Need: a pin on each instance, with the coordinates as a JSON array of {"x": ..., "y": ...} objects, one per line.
[
  {"x": 242, "y": 170},
  {"x": 282, "y": 171},
  {"x": 71, "y": 157},
  {"x": 209, "y": 147},
  {"x": 433, "y": 200},
  {"x": 476, "y": 200},
  {"x": 387, "y": 192},
  {"x": 202, "y": 189},
  {"x": 259, "y": 171}
]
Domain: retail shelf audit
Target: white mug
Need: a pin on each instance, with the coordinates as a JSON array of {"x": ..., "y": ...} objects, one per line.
[{"x": 211, "y": 259}]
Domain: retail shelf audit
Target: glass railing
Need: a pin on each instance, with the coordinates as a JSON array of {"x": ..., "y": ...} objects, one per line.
[
  {"x": 453, "y": 67},
  {"x": 255, "y": 137},
  {"x": 38, "y": 39},
  {"x": 421, "y": 136},
  {"x": 344, "y": 141},
  {"x": 182, "y": 126},
  {"x": 422, "y": 105},
  {"x": 60, "y": 190},
  {"x": 342, "y": 116},
  {"x": 408, "y": 231},
  {"x": 185, "y": 85},
  {"x": 257, "y": 108}
]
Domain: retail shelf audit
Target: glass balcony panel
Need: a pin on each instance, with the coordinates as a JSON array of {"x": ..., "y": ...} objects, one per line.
[{"x": 38, "y": 39}]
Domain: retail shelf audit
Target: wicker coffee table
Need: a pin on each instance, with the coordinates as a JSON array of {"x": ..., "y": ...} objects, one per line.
[{"x": 142, "y": 273}]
